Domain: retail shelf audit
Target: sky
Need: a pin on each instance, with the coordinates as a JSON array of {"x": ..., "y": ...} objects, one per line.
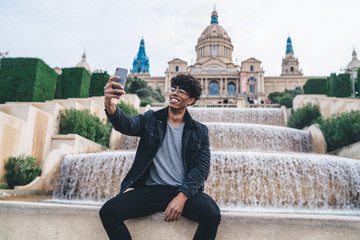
[{"x": 323, "y": 33}]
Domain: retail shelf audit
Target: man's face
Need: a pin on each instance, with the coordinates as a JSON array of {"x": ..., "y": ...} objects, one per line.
[{"x": 179, "y": 98}]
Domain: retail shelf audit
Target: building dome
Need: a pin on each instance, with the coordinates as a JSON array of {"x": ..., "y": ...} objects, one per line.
[
  {"x": 214, "y": 30},
  {"x": 214, "y": 43},
  {"x": 354, "y": 64},
  {"x": 83, "y": 63}
]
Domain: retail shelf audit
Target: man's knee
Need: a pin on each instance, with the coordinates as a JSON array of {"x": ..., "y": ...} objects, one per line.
[
  {"x": 104, "y": 212},
  {"x": 213, "y": 217}
]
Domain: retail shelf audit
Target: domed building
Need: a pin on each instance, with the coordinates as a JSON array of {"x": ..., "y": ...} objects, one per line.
[
  {"x": 354, "y": 65},
  {"x": 222, "y": 80},
  {"x": 83, "y": 63}
]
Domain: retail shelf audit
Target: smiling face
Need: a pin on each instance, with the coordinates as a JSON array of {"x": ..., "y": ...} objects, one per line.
[{"x": 179, "y": 99}]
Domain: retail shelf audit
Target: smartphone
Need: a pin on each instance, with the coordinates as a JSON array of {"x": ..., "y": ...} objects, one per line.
[{"x": 122, "y": 73}]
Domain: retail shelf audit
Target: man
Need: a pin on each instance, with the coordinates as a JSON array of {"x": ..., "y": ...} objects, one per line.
[{"x": 170, "y": 167}]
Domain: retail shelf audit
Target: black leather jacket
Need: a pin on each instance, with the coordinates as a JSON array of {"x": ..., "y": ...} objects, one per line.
[{"x": 151, "y": 128}]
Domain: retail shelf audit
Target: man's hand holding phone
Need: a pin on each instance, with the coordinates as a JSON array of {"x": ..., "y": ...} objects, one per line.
[{"x": 114, "y": 89}]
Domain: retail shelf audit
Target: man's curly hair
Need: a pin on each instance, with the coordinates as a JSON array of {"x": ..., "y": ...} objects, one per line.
[{"x": 189, "y": 84}]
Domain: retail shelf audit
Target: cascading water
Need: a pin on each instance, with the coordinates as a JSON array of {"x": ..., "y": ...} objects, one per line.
[
  {"x": 239, "y": 179},
  {"x": 267, "y": 116},
  {"x": 245, "y": 137}
]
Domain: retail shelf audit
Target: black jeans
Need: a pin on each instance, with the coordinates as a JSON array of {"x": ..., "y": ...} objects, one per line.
[{"x": 144, "y": 201}]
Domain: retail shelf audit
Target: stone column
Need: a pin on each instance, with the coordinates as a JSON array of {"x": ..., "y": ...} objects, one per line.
[
  {"x": 221, "y": 88},
  {"x": 206, "y": 87},
  {"x": 226, "y": 86}
]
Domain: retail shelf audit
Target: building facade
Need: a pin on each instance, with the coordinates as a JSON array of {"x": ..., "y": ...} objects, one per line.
[{"x": 222, "y": 80}]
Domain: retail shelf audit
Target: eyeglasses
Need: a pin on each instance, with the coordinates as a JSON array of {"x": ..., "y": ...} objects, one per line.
[{"x": 178, "y": 90}]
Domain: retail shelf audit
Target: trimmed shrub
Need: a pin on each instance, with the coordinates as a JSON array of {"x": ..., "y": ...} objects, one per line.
[
  {"x": 73, "y": 83},
  {"x": 304, "y": 116},
  {"x": 128, "y": 109},
  {"x": 97, "y": 83},
  {"x": 21, "y": 170},
  {"x": 340, "y": 85},
  {"x": 81, "y": 122},
  {"x": 341, "y": 130},
  {"x": 316, "y": 86},
  {"x": 26, "y": 80}
]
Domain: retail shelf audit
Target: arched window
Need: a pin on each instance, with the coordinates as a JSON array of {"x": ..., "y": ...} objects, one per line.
[
  {"x": 231, "y": 89},
  {"x": 292, "y": 69},
  {"x": 176, "y": 68},
  {"x": 139, "y": 69},
  {"x": 251, "y": 68},
  {"x": 214, "y": 88},
  {"x": 252, "y": 79}
]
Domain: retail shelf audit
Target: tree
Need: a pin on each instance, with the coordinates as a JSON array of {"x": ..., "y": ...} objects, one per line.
[
  {"x": 339, "y": 85},
  {"x": 140, "y": 87}
]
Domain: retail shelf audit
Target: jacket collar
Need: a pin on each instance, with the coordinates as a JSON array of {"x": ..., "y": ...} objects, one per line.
[{"x": 163, "y": 113}]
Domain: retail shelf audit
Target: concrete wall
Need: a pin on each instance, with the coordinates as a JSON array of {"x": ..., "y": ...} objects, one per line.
[
  {"x": 28, "y": 127},
  {"x": 43, "y": 221},
  {"x": 328, "y": 105},
  {"x": 351, "y": 151}
]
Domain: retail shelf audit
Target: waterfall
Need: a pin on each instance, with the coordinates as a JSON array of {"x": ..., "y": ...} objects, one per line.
[{"x": 257, "y": 166}]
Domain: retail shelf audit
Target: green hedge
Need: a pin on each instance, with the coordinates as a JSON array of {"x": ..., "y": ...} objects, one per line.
[
  {"x": 73, "y": 83},
  {"x": 21, "y": 170},
  {"x": 81, "y": 122},
  {"x": 26, "y": 80},
  {"x": 341, "y": 130},
  {"x": 97, "y": 83},
  {"x": 339, "y": 85},
  {"x": 315, "y": 86},
  {"x": 304, "y": 116}
]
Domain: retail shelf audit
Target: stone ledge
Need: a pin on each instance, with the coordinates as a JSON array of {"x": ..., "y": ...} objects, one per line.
[{"x": 24, "y": 220}]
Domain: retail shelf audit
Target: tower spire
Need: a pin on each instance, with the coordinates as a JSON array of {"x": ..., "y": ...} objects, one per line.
[
  {"x": 289, "y": 47},
  {"x": 141, "y": 61}
]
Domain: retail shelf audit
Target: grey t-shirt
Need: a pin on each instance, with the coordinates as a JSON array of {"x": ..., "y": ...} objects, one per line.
[{"x": 168, "y": 167}]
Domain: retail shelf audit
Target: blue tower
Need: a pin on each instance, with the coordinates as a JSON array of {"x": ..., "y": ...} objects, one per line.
[
  {"x": 289, "y": 47},
  {"x": 141, "y": 61}
]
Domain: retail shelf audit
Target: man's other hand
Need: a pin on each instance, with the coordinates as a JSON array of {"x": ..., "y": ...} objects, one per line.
[{"x": 175, "y": 208}]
